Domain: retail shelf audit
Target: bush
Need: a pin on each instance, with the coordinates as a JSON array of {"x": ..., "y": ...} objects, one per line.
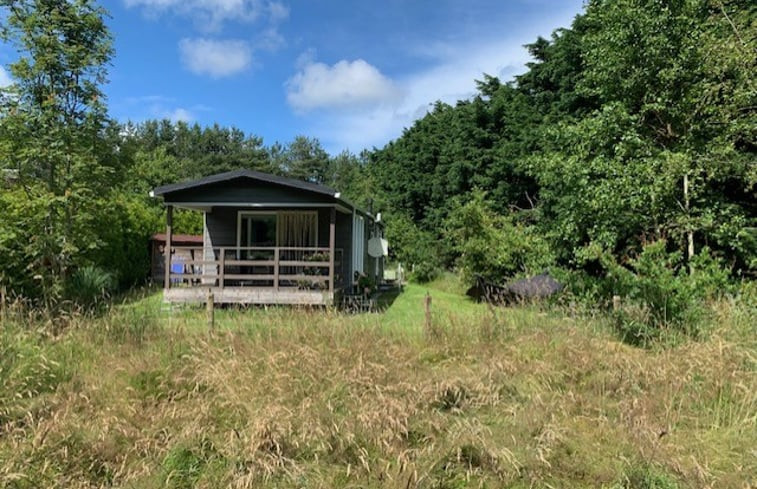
[
  {"x": 90, "y": 285},
  {"x": 109, "y": 233},
  {"x": 425, "y": 271},
  {"x": 415, "y": 248},
  {"x": 657, "y": 291},
  {"x": 494, "y": 246},
  {"x": 124, "y": 228}
]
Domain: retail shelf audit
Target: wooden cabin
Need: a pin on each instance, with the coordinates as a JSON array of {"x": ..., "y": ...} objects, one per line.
[{"x": 269, "y": 239}]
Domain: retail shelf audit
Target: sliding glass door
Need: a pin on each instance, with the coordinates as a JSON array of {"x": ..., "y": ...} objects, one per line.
[{"x": 287, "y": 229}]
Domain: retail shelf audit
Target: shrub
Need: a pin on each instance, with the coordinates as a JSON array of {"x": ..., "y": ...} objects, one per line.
[
  {"x": 90, "y": 285},
  {"x": 657, "y": 290},
  {"x": 124, "y": 228},
  {"x": 425, "y": 271},
  {"x": 661, "y": 285},
  {"x": 415, "y": 248},
  {"x": 494, "y": 246}
]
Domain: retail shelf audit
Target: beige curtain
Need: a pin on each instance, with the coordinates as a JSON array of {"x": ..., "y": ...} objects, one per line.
[{"x": 297, "y": 229}]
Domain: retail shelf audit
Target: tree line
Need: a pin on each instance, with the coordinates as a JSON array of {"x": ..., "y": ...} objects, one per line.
[
  {"x": 624, "y": 160},
  {"x": 636, "y": 124}
]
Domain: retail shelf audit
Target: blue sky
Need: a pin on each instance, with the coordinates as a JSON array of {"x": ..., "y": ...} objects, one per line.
[{"x": 351, "y": 73}]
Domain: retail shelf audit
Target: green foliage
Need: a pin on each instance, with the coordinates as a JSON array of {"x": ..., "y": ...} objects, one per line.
[
  {"x": 50, "y": 122},
  {"x": 493, "y": 246},
  {"x": 646, "y": 476},
  {"x": 21, "y": 230},
  {"x": 184, "y": 465},
  {"x": 414, "y": 248},
  {"x": 658, "y": 293},
  {"x": 124, "y": 225},
  {"x": 588, "y": 149},
  {"x": 304, "y": 159},
  {"x": 366, "y": 282},
  {"x": 186, "y": 222},
  {"x": 634, "y": 125},
  {"x": 90, "y": 285}
]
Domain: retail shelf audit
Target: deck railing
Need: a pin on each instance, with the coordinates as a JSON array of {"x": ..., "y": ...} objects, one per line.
[{"x": 307, "y": 268}]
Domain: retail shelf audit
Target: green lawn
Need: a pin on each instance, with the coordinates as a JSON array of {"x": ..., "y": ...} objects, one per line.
[{"x": 397, "y": 311}]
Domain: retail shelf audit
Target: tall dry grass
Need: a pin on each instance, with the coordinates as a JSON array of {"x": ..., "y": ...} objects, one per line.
[{"x": 297, "y": 398}]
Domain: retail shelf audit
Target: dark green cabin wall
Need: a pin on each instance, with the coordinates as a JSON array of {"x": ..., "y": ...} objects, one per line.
[
  {"x": 343, "y": 241},
  {"x": 222, "y": 226}
]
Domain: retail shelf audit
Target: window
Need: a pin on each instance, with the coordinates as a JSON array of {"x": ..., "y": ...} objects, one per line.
[
  {"x": 285, "y": 228},
  {"x": 257, "y": 230}
]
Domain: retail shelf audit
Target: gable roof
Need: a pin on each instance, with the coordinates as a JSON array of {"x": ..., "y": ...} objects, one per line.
[
  {"x": 260, "y": 177},
  {"x": 251, "y": 174}
]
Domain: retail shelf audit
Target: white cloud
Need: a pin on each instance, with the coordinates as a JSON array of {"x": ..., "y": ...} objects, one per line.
[
  {"x": 210, "y": 15},
  {"x": 446, "y": 72},
  {"x": 156, "y": 107},
  {"x": 5, "y": 78},
  {"x": 346, "y": 84},
  {"x": 215, "y": 58},
  {"x": 278, "y": 11},
  {"x": 269, "y": 40},
  {"x": 180, "y": 114},
  {"x": 412, "y": 96}
]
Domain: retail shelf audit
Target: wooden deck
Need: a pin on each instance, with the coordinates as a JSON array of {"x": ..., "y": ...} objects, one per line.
[{"x": 249, "y": 295}]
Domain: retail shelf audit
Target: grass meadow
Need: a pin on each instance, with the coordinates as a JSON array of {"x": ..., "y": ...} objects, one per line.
[{"x": 144, "y": 396}]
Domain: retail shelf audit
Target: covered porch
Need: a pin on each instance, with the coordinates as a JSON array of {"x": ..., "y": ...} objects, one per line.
[{"x": 257, "y": 269}]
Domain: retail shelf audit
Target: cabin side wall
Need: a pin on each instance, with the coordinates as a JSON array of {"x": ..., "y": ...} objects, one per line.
[
  {"x": 374, "y": 266},
  {"x": 344, "y": 242}
]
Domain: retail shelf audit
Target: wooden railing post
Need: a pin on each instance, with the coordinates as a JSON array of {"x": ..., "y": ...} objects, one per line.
[
  {"x": 276, "y": 257},
  {"x": 169, "y": 235},
  {"x": 332, "y": 240},
  {"x": 221, "y": 267}
]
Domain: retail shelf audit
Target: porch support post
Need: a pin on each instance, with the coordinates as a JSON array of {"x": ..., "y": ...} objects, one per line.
[
  {"x": 332, "y": 240},
  {"x": 167, "y": 250},
  {"x": 276, "y": 258}
]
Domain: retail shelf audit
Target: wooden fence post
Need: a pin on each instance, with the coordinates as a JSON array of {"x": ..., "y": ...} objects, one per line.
[
  {"x": 209, "y": 303},
  {"x": 616, "y": 303},
  {"x": 427, "y": 305},
  {"x": 3, "y": 293}
]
